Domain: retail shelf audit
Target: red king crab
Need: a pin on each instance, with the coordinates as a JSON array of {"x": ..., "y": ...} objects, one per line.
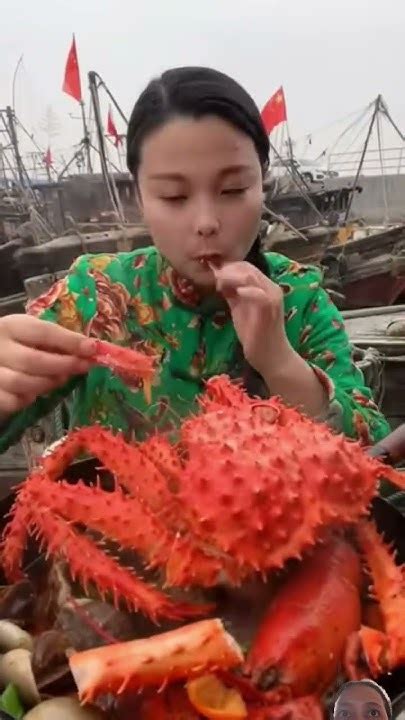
[{"x": 250, "y": 486}]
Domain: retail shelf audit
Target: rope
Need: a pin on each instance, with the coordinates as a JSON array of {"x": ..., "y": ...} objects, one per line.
[
  {"x": 353, "y": 124},
  {"x": 359, "y": 112},
  {"x": 371, "y": 359},
  {"x": 298, "y": 186},
  {"x": 27, "y": 196},
  {"x": 354, "y": 139}
]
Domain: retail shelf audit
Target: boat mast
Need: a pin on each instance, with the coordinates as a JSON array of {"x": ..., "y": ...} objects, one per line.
[
  {"x": 108, "y": 179},
  {"x": 8, "y": 119},
  {"x": 363, "y": 155},
  {"x": 86, "y": 137}
]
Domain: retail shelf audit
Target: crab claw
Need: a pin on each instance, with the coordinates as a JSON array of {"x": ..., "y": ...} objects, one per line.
[
  {"x": 379, "y": 651},
  {"x": 370, "y": 652}
]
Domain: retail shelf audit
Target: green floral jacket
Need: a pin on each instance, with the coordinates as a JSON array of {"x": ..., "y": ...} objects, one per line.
[{"x": 136, "y": 299}]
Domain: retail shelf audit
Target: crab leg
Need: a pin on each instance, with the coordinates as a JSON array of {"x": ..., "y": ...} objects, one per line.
[
  {"x": 14, "y": 537},
  {"x": 126, "y": 521},
  {"x": 131, "y": 466},
  {"x": 147, "y": 471},
  {"x": 88, "y": 563},
  {"x": 176, "y": 655},
  {"x": 127, "y": 462},
  {"x": 112, "y": 513},
  {"x": 119, "y": 517},
  {"x": 154, "y": 509},
  {"x": 383, "y": 651},
  {"x": 125, "y": 362},
  {"x": 134, "y": 470}
]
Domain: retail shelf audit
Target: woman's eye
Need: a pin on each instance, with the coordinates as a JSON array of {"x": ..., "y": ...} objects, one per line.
[
  {"x": 344, "y": 714},
  {"x": 374, "y": 713},
  {"x": 234, "y": 191},
  {"x": 174, "y": 198}
]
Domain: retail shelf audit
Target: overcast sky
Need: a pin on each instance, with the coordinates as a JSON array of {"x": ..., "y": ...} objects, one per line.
[{"x": 332, "y": 56}]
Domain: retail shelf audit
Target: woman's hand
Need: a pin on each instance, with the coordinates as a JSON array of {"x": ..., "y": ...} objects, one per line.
[
  {"x": 257, "y": 308},
  {"x": 35, "y": 357}
]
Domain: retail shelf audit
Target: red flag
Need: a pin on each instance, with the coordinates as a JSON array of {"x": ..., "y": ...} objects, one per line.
[
  {"x": 71, "y": 83},
  {"x": 112, "y": 130},
  {"x": 47, "y": 159},
  {"x": 275, "y": 111}
]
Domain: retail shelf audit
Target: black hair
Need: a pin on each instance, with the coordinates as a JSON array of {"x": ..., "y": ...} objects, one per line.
[
  {"x": 368, "y": 683},
  {"x": 197, "y": 92}
]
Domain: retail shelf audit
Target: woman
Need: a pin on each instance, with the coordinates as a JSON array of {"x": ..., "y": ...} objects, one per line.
[
  {"x": 362, "y": 700},
  {"x": 204, "y": 298}
]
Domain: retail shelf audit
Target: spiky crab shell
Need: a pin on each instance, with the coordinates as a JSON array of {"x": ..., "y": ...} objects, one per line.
[
  {"x": 250, "y": 485},
  {"x": 262, "y": 482}
]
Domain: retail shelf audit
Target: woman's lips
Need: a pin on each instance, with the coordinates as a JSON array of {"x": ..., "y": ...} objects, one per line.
[{"x": 211, "y": 259}]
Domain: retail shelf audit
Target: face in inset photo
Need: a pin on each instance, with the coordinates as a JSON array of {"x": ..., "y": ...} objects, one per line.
[{"x": 362, "y": 701}]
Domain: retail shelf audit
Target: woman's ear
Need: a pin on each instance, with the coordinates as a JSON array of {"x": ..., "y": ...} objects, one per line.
[{"x": 138, "y": 199}]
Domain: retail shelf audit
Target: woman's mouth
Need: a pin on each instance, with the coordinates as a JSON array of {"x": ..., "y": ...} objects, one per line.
[{"x": 210, "y": 259}]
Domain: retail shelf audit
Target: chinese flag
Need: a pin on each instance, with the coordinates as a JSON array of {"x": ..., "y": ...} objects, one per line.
[
  {"x": 275, "y": 111},
  {"x": 48, "y": 158},
  {"x": 112, "y": 130},
  {"x": 71, "y": 83}
]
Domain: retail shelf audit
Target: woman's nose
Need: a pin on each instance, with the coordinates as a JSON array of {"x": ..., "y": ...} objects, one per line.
[
  {"x": 208, "y": 229},
  {"x": 206, "y": 221}
]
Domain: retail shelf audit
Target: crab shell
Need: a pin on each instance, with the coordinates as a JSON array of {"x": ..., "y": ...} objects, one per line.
[{"x": 249, "y": 486}]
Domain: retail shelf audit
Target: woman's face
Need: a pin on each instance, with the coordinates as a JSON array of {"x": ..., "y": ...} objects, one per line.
[
  {"x": 200, "y": 187},
  {"x": 360, "y": 703}
]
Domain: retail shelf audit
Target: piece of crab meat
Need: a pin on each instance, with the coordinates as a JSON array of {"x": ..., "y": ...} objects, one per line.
[
  {"x": 156, "y": 661},
  {"x": 127, "y": 363}
]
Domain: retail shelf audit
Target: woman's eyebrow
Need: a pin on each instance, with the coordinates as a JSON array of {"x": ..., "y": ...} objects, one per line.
[
  {"x": 229, "y": 170},
  {"x": 167, "y": 176},
  {"x": 233, "y": 169}
]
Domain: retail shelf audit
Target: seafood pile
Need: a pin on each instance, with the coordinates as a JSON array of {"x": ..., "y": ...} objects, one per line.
[
  {"x": 251, "y": 489},
  {"x": 34, "y": 667}
]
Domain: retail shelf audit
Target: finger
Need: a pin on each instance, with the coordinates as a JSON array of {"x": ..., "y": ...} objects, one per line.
[
  {"x": 34, "y": 332},
  {"x": 10, "y": 403},
  {"x": 230, "y": 273},
  {"x": 18, "y": 383},
  {"x": 38, "y": 362},
  {"x": 233, "y": 275},
  {"x": 256, "y": 295}
]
